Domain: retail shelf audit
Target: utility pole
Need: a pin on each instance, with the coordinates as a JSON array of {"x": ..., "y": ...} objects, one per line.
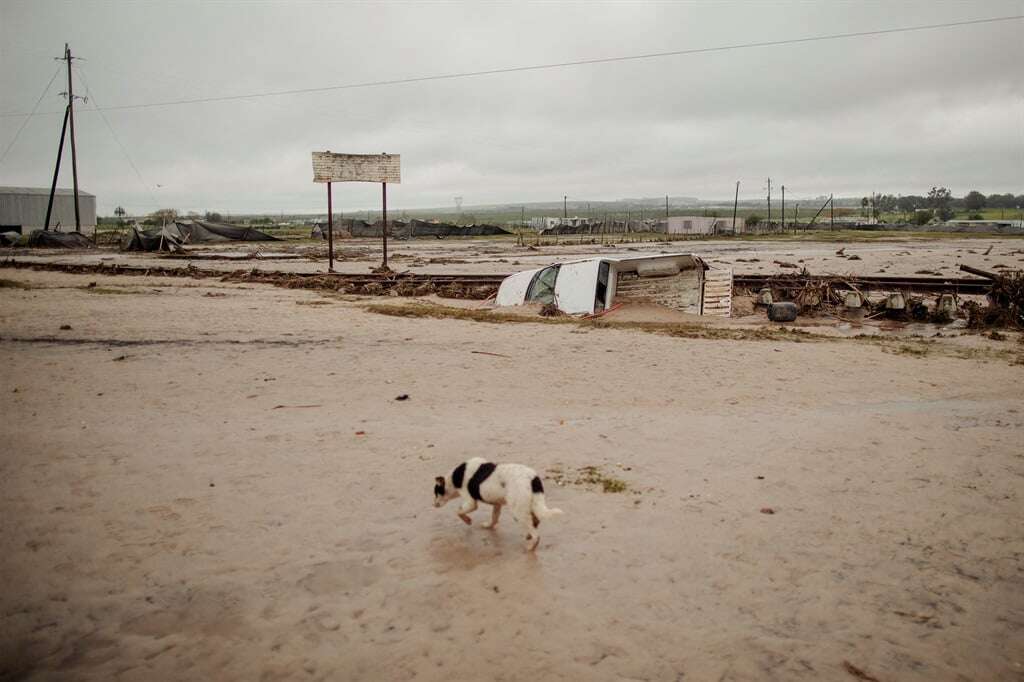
[
  {"x": 565, "y": 210},
  {"x": 783, "y": 208},
  {"x": 56, "y": 169},
  {"x": 769, "y": 203},
  {"x": 69, "y": 117},
  {"x": 735, "y": 204},
  {"x": 831, "y": 213},
  {"x": 74, "y": 154},
  {"x": 666, "y": 211}
]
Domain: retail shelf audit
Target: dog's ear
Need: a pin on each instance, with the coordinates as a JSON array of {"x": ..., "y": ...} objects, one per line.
[{"x": 439, "y": 480}]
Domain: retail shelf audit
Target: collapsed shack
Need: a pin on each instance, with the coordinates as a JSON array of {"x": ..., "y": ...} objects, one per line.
[
  {"x": 1005, "y": 304},
  {"x": 50, "y": 239},
  {"x": 922, "y": 299},
  {"x": 174, "y": 236}
]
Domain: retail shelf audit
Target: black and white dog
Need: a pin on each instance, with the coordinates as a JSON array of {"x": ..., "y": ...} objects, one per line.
[{"x": 513, "y": 485}]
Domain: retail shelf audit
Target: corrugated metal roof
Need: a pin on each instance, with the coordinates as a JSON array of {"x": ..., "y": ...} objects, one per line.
[{"x": 61, "y": 191}]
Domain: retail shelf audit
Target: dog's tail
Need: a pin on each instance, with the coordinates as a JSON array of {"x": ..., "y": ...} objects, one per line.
[{"x": 539, "y": 507}]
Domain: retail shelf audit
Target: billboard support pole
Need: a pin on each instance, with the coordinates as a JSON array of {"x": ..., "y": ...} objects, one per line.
[
  {"x": 330, "y": 231},
  {"x": 384, "y": 221}
]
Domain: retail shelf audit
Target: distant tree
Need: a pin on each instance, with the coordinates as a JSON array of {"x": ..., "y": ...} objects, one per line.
[
  {"x": 1000, "y": 200},
  {"x": 887, "y": 203},
  {"x": 974, "y": 201},
  {"x": 120, "y": 212},
  {"x": 975, "y": 216},
  {"x": 939, "y": 199},
  {"x": 864, "y": 207},
  {"x": 214, "y": 217},
  {"x": 752, "y": 220},
  {"x": 922, "y": 217},
  {"x": 163, "y": 215},
  {"x": 909, "y": 203}
]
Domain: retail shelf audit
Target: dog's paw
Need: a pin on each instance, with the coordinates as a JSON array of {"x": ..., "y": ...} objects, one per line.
[{"x": 466, "y": 520}]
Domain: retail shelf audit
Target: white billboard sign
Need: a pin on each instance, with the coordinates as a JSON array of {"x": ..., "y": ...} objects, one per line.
[{"x": 330, "y": 167}]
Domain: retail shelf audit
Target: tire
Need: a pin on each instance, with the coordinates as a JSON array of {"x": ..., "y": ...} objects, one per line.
[{"x": 782, "y": 312}]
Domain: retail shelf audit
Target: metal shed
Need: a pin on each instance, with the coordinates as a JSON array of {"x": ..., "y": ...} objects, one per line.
[{"x": 23, "y": 209}]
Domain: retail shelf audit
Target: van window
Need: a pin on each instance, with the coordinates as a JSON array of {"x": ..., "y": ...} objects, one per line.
[{"x": 542, "y": 288}]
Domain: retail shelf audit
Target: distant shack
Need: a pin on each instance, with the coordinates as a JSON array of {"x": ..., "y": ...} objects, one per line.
[{"x": 23, "y": 209}]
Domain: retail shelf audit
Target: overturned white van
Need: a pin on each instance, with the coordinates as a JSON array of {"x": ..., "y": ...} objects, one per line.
[{"x": 680, "y": 281}]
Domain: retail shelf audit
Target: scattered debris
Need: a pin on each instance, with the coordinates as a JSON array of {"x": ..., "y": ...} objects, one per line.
[
  {"x": 767, "y": 510},
  {"x": 293, "y": 407},
  {"x": 916, "y": 617},
  {"x": 853, "y": 257},
  {"x": 404, "y": 396},
  {"x": 550, "y": 310},
  {"x": 65, "y": 327},
  {"x": 484, "y": 352},
  {"x": 784, "y": 264},
  {"x": 858, "y": 673}
]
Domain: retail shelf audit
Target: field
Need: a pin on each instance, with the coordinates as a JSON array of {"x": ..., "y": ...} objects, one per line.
[{"x": 212, "y": 480}]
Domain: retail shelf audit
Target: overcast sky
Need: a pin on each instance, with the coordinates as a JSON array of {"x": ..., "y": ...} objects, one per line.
[{"x": 893, "y": 113}]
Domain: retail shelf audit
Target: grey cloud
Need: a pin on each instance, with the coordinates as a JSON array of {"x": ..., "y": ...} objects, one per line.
[{"x": 889, "y": 113}]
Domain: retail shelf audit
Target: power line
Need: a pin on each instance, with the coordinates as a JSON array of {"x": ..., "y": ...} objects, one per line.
[
  {"x": 541, "y": 67},
  {"x": 29, "y": 117},
  {"x": 124, "y": 151}
]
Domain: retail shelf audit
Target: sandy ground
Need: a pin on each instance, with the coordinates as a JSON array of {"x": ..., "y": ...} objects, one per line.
[{"x": 214, "y": 481}]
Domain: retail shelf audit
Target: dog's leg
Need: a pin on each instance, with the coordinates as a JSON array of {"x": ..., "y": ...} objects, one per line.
[
  {"x": 495, "y": 513},
  {"x": 525, "y": 519},
  {"x": 467, "y": 508}
]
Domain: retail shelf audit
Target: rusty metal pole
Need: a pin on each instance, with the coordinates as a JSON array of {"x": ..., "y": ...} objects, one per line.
[
  {"x": 330, "y": 231},
  {"x": 384, "y": 223},
  {"x": 56, "y": 170}
]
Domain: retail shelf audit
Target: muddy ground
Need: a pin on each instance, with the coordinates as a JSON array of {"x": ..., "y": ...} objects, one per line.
[
  {"x": 924, "y": 257},
  {"x": 204, "y": 480}
]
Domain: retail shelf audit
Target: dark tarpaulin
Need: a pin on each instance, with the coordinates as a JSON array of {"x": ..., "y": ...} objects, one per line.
[
  {"x": 157, "y": 239},
  {"x": 175, "y": 236},
  {"x": 59, "y": 240},
  {"x": 198, "y": 232}
]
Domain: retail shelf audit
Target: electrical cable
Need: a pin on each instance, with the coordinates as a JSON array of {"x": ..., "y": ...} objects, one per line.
[
  {"x": 29, "y": 117},
  {"x": 124, "y": 151}
]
